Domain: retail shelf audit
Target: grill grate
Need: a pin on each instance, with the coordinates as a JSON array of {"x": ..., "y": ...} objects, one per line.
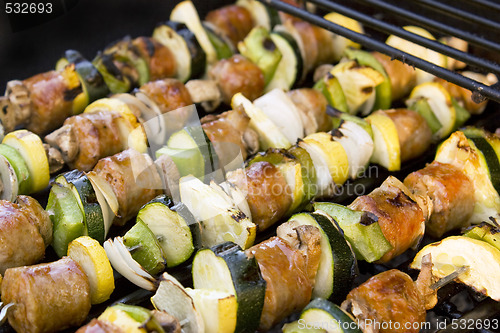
[{"x": 433, "y": 15}]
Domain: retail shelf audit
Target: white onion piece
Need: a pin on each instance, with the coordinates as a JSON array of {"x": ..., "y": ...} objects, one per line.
[
  {"x": 123, "y": 263},
  {"x": 9, "y": 180},
  {"x": 283, "y": 113},
  {"x": 358, "y": 145}
]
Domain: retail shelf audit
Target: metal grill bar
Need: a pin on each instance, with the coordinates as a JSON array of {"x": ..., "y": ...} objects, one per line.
[
  {"x": 434, "y": 25},
  {"x": 486, "y": 3},
  {"x": 480, "y": 90},
  {"x": 467, "y": 16},
  {"x": 392, "y": 29}
]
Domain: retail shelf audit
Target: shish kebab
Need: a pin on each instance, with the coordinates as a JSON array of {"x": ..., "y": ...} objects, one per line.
[{"x": 233, "y": 127}]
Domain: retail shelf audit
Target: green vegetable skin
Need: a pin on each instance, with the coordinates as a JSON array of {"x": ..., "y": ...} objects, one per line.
[
  {"x": 338, "y": 117},
  {"x": 485, "y": 232},
  {"x": 423, "y": 108},
  {"x": 144, "y": 248},
  {"x": 66, "y": 216},
  {"x": 188, "y": 161},
  {"x": 330, "y": 87},
  {"x": 261, "y": 50},
  {"x": 360, "y": 229},
  {"x": 245, "y": 279},
  {"x": 19, "y": 165},
  {"x": 220, "y": 45},
  {"x": 141, "y": 315},
  {"x": 383, "y": 98},
  {"x": 116, "y": 84}
]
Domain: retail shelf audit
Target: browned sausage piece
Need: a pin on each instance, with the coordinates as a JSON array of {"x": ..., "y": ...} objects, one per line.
[
  {"x": 47, "y": 297},
  {"x": 399, "y": 216},
  {"x": 51, "y": 101},
  {"x": 463, "y": 96},
  {"x": 98, "y": 135},
  {"x": 403, "y": 77},
  {"x": 450, "y": 191},
  {"x": 133, "y": 178},
  {"x": 388, "y": 296},
  {"x": 232, "y": 21},
  {"x": 288, "y": 288},
  {"x": 267, "y": 192},
  {"x": 312, "y": 105},
  {"x": 160, "y": 58},
  {"x": 168, "y": 94},
  {"x": 20, "y": 240},
  {"x": 415, "y": 135},
  {"x": 37, "y": 216},
  {"x": 238, "y": 74}
]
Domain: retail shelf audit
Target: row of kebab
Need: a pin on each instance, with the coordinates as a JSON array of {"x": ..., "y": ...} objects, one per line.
[{"x": 193, "y": 203}]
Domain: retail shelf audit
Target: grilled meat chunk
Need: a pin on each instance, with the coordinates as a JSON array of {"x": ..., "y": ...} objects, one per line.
[
  {"x": 450, "y": 191},
  {"x": 267, "y": 192},
  {"x": 97, "y": 135},
  {"x": 51, "y": 95},
  {"x": 400, "y": 217},
  {"x": 168, "y": 94},
  {"x": 133, "y": 178},
  {"x": 312, "y": 106},
  {"x": 21, "y": 240},
  {"x": 47, "y": 297},
  {"x": 403, "y": 77},
  {"x": 233, "y": 22},
  {"x": 160, "y": 58},
  {"x": 415, "y": 135},
  {"x": 37, "y": 216},
  {"x": 238, "y": 74},
  {"x": 288, "y": 287},
  {"x": 388, "y": 296}
]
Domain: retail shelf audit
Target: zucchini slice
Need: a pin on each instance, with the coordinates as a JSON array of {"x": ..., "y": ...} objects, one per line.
[
  {"x": 86, "y": 197},
  {"x": 358, "y": 85},
  {"x": 9, "y": 181},
  {"x": 387, "y": 151},
  {"x": 338, "y": 266},
  {"x": 30, "y": 147},
  {"x": 189, "y": 56},
  {"x": 173, "y": 226},
  {"x": 291, "y": 65},
  {"x": 144, "y": 248},
  {"x": 264, "y": 16},
  {"x": 455, "y": 252},
  {"x": 421, "y": 105},
  {"x": 440, "y": 102},
  {"x": 462, "y": 152},
  {"x": 194, "y": 140},
  {"x": 220, "y": 220},
  {"x": 324, "y": 185},
  {"x": 486, "y": 144},
  {"x": 218, "y": 309},
  {"x": 322, "y": 314},
  {"x": 485, "y": 232},
  {"x": 93, "y": 84},
  {"x": 334, "y": 154},
  {"x": 66, "y": 216},
  {"x": 330, "y": 87},
  {"x": 259, "y": 48},
  {"x": 226, "y": 268},
  {"x": 383, "y": 93},
  {"x": 223, "y": 46},
  {"x": 308, "y": 171},
  {"x": 19, "y": 165},
  {"x": 361, "y": 229},
  {"x": 172, "y": 298},
  {"x": 186, "y": 13}
]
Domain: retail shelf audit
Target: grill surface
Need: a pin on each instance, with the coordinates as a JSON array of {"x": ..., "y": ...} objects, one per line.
[
  {"x": 434, "y": 15},
  {"x": 112, "y": 20}
]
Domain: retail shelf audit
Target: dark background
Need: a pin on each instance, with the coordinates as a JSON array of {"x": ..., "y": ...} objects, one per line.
[{"x": 84, "y": 25}]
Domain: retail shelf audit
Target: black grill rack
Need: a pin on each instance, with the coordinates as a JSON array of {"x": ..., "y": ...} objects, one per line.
[{"x": 475, "y": 21}]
